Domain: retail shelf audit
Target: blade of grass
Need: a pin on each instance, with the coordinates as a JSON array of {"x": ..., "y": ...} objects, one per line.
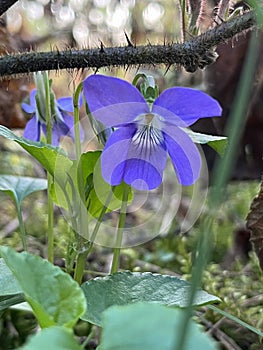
[
  {"x": 221, "y": 174},
  {"x": 235, "y": 319}
]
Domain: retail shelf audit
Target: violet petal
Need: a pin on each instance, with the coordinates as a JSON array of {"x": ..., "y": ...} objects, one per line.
[
  {"x": 184, "y": 154},
  {"x": 28, "y": 108},
  {"x": 187, "y": 104},
  {"x": 32, "y": 98},
  {"x": 58, "y": 130},
  {"x": 137, "y": 165},
  {"x": 113, "y": 101},
  {"x": 66, "y": 103},
  {"x": 32, "y": 129}
]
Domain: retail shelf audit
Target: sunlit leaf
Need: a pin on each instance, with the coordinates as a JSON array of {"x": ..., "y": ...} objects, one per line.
[
  {"x": 54, "y": 296},
  {"x": 126, "y": 288}
]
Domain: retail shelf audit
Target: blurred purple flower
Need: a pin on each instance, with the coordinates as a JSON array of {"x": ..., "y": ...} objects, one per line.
[
  {"x": 136, "y": 151},
  {"x": 62, "y": 121}
]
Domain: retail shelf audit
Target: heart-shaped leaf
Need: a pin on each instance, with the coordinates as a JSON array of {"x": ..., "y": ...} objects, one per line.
[
  {"x": 54, "y": 296},
  {"x": 18, "y": 187},
  {"x": 126, "y": 288},
  {"x": 145, "y": 326}
]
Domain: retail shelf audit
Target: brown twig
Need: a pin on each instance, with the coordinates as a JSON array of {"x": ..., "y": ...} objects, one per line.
[{"x": 193, "y": 54}]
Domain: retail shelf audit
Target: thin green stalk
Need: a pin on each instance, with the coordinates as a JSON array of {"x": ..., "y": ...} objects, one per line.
[
  {"x": 117, "y": 249},
  {"x": 235, "y": 319},
  {"x": 76, "y": 121},
  {"x": 82, "y": 224},
  {"x": 221, "y": 174},
  {"x": 50, "y": 208},
  {"x": 89, "y": 337},
  {"x": 83, "y": 227},
  {"x": 82, "y": 256},
  {"x": 81, "y": 261},
  {"x": 100, "y": 218},
  {"x": 21, "y": 227}
]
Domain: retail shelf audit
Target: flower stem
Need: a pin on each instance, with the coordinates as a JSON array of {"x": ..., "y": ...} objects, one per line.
[
  {"x": 80, "y": 183},
  {"x": 117, "y": 249},
  {"x": 21, "y": 227},
  {"x": 83, "y": 245},
  {"x": 81, "y": 259},
  {"x": 50, "y": 231},
  {"x": 76, "y": 121}
]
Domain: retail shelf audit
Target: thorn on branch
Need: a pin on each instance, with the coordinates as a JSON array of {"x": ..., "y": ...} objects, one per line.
[
  {"x": 102, "y": 47},
  {"x": 193, "y": 54},
  {"x": 130, "y": 44}
]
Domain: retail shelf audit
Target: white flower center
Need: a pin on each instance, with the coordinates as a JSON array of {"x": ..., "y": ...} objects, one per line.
[{"x": 148, "y": 134}]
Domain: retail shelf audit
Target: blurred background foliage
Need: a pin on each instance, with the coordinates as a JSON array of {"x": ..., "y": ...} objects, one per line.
[
  {"x": 78, "y": 23},
  {"x": 233, "y": 273}
]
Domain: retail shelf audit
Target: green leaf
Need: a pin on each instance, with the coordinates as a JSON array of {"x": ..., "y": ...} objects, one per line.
[
  {"x": 66, "y": 192},
  {"x": 145, "y": 326},
  {"x": 126, "y": 288},
  {"x": 10, "y": 300},
  {"x": 18, "y": 187},
  {"x": 64, "y": 186},
  {"x": 8, "y": 282},
  {"x": 53, "y": 338},
  {"x": 54, "y": 296},
  {"x": 10, "y": 291},
  {"x": 96, "y": 189},
  {"x": 218, "y": 143},
  {"x": 51, "y": 158}
]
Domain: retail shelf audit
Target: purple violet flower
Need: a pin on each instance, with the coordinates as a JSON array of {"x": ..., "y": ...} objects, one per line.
[
  {"x": 136, "y": 151},
  {"x": 63, "y": 122}
]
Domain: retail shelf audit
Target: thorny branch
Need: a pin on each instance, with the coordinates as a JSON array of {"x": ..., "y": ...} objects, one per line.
[{"x": 193, "y": 54}]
